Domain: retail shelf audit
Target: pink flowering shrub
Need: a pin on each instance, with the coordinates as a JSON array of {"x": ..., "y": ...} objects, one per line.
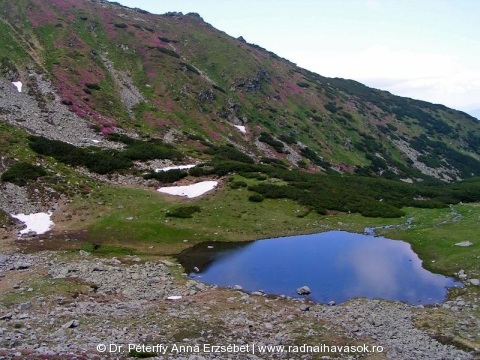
[{"x": 39, "y": 15}]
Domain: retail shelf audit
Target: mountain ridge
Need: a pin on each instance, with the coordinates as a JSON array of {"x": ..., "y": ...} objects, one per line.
[{"x": 176, "y": 76}]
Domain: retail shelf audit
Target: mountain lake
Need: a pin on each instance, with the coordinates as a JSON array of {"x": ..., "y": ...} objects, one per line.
[{"x": 335, "y": 265}]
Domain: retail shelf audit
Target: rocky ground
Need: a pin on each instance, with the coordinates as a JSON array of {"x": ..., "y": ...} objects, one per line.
[
  {"x": 38, "y": 110},
  {"x": 65, "y": 305}
]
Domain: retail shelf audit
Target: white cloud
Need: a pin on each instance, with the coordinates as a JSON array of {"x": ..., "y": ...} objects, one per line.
[
  {"x": 433, "y": 77},
  {"x": 373, "y": 4}
]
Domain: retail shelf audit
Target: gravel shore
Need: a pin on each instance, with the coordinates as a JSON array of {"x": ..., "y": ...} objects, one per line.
[{"x": 66, "y": 305}]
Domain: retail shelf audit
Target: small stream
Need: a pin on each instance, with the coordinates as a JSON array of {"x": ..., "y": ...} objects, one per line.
[{"x": 371, "y": 231}]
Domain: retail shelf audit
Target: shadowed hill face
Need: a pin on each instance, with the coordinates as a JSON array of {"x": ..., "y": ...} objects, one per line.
[{"x": 174, "y": 76}]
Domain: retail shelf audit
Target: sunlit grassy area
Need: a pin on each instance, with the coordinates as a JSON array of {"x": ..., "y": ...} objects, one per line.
[
  {"x": 433, "y": 235},
  {"x": 131, "y": 220}
]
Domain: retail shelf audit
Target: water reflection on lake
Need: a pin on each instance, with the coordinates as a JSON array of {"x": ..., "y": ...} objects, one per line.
[{"x": 335, "y": 265}]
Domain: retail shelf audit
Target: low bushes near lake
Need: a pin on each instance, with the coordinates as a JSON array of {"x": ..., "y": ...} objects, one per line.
[{"x": 183, "y": 212}]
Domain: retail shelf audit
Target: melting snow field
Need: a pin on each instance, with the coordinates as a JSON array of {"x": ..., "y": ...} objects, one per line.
[
  {"x": 241, "y": 128},
  {"x": 18, "y": 85},
  {"x": 39, "y": 223},
  {"x": 178, "y": 167},
  {"x": 190, "y": 191}
]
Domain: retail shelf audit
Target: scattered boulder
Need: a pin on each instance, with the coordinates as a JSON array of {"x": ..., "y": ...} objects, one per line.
[
  {"x": 461, "y": 275},
  {"x": 304, "y": 290},
  {"x": 304, "y": 307},
  {"x": 3, "y": 259},
  {"x": 6, "y": 316},
  {"x": 25, "y": 306},
  {"x": 71, "y": 324},
  {"x": 474, "y": 282},
  {"x": 21, "y": 266}
]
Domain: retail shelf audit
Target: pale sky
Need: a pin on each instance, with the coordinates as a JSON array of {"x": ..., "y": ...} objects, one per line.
[{"x": 428, "y": 49}]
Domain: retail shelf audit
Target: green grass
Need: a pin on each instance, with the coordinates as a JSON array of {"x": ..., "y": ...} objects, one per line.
[
  {"x": 9, "y": 47},
  {"x": 135, "y": 221},
  {"x": 14, "y": 142},
  {"x": 135, "y": 218},
  {"x": 42, "y": 286},
  {"x": 434, "y": 240}
]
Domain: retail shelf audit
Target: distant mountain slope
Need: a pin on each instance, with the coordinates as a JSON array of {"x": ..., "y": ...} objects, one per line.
[{"x": 176, "y": 77}]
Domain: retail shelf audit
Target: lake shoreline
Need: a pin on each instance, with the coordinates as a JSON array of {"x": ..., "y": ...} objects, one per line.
[{"x": 85, "y": 293}]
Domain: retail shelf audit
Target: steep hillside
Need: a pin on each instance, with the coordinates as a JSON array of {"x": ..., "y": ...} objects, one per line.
[
  {"x": 107, "y": 113},
  {"x": 93, "y": 67}
]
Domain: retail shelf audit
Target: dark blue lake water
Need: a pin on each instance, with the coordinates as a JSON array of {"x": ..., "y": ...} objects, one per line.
[{"x": 336, "y": 266}]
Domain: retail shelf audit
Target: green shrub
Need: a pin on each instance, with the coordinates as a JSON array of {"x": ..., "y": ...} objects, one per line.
[
  {"x": 190, "y": 68},
  {"x": 303, "y": 84},
  {"x": 195, "y": 137},
  {"x": 216, "y": 87},
  {"x": 93, "y": 158},
  {"x": 238, "y": 184},
  {"x": 253, "y": 175},
  {"x": 183, "y": 212},
  {"x": 121, "y": 138},
  {"x": 331, "y": 107},
  {"x": 169, "y": 176},
  {"x": 168, "y": 52},
  {"x": 312, "y": 156},
  {"x": 226, "y": 152},
  {"x": 121, "y": 25},
  {"x": 92, "y": 86},
  {"x": 142, "y": 150},
  {"x": 288, "y": 138},
  {"x": 21, "y": 173},
  {"x": 164, "y": 39},
  {"x": 256, "y": 198},
  {"x": 268, "y": 139}
]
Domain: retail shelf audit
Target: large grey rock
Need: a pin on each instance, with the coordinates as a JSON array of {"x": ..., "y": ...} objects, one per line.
[
  {"x": 304, "y": 290},
  {"x": 21, "y": 265},
  {"x": 474, "y": 282},
  {"x": 25, "y": 306},
  {"x": 71, "y": 324},
  {"x": 3, "y": 259}
]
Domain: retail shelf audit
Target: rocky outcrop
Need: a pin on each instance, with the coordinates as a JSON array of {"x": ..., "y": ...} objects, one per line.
[
  {"x": 442, "y": 173},
  {"x": 129, "y": 93},
  {"x": 38, "y": 109}
]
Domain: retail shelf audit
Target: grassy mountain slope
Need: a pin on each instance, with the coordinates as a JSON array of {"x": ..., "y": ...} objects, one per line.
[
  {"x": 175, "y": 75},
  {"x": 110, "y": 94}
]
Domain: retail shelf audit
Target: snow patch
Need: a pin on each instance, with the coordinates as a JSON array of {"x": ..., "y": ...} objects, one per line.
[
  {"x": 39, "y": 223},
  {"x": 241, "y": 128},
  {"x": 179, "y": 167},
  {"x": 18, "y": 85},
  {"x": 189, "y": 191}
]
